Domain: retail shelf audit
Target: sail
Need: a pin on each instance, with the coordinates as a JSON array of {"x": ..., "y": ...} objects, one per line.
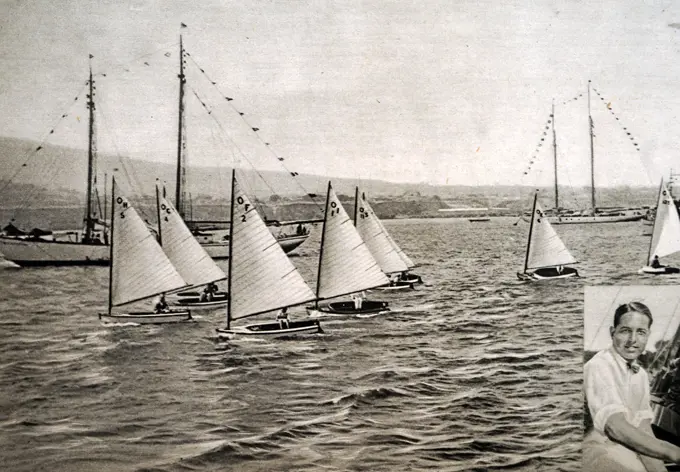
[
  {"x": 376, "y": 238},
  {"x": 139, "y": 268},
  {"x": 262, "y": 276},
  {"x": 407, "y": 260},
  {"x": 666, "y": 235},
  {"x": 346, "y": 264},
  {"x": 546, "y": 249},
  {"x": 190, "y": 259}
]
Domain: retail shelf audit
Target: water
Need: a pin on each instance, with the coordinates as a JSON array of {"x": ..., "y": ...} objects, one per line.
[{"x": 477, "y": 371}]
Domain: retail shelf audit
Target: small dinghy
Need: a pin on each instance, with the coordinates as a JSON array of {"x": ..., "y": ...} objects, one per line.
[
  {"x": 390, "y": 257},
  {"x": 190, "y": 259},
  {"x": 546, "y": 254},
  {"x": 139, "y": 268},
  {"x": 346, "y": 266},
  {"x": 261, "y": 278},
  {"x": 665, "y": 235}
]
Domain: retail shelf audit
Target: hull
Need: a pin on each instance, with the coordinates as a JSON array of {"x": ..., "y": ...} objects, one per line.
[
  {"x": 272, "y": 329},
  {"x": 41, "y": 252},
  {"x": 659, "y": 270},
  {"x": 398, "y": 286},
  {"x": 548, "y": 273},
  {"x": 32, "y": 252},
  {"x": 479, "y": 220},
  {"x": 173, "y": 316},
  {"x": 347, "y": 308},
  {"x": 195, "y": 303},
  {"x": 590, "y": 219}
]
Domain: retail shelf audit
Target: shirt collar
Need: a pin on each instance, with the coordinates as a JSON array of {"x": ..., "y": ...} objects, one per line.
[{"x": 620, "y": 361}]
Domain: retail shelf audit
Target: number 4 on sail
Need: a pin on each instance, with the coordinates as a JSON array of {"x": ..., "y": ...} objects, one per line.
[{"x": 546, "y": 254}]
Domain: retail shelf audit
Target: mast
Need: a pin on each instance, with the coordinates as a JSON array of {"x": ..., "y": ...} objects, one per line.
[
  {"x": 91, "y": 155},
  {"x": 356, "y": 204},
  {"x": 323, "y": 237},
  {"x": 181, "y": 177},
  {"x": 531, "y": 228},
  {"x": 656, "y": 218},
  {"x": 113, "y": 208},
  {"x": 592, "y": 156},
  {"x": 231, "y": 247},
  {"x": 557, "y": 197},
  {"x": 158, "y": 216}
]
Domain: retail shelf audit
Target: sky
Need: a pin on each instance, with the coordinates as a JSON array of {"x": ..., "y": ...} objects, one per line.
[
  {"x": 432, "y": 91},
  {"x": 601, "y": 302}
]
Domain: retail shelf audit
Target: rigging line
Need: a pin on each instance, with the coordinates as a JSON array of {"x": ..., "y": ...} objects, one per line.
[
  {"x": 608, "y": 311},
  {"x": 130, "y": 176},
  {"x": 668, "y": 352},
  {"x": 271, "y": 151},
  {"x": 123, "y": 66},
  {"x": 240, "y": 151},
  {"x": 34, "y": 150}
]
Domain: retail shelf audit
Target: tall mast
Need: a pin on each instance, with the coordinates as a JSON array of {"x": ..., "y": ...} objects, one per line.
[
  {"x": 592, "y": 156},
  {"x": 91, "y": 156},
  {"x": 323, "y": 237},
  {"x": 557, "y": 195},
  {"x": 158, "y": 215},
  {"x": 113, "y": 209},
  {"x": 181, "y": 177},
  {"x": 231, "y": 247},
  {"x": 531, "y": 229},
  {"x": 356, "y": 205}
]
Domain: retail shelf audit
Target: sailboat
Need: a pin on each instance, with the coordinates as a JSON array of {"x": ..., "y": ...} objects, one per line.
[
  {"x": 139, "y": 268},
  {"x": 89, "y": 246},
  {"x": 261, "y": 278},
  {"x": 346, "y": 265},
  {"x": 190, "y": 259},
  {"x": 559, "y": 215},
  {"x": 391, "y": 259},
  {"x": 665, "y": 234},
  {"x": 546, "y": 254},
  {"x": 209, "y": 234}
]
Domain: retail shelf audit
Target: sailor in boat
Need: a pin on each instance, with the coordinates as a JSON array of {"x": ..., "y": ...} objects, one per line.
[
  {"x": 560, "y": 269},
  {"x": 160, "y": 305},
  {"x": 621, "y": 437},
  {"x": 282, "y": 318},
  {"x": 209, "y": 292},
  {"x": 655, "y": 263},
  {"x": 394, "y": 280},
  {"x": 358, "y": 299}
]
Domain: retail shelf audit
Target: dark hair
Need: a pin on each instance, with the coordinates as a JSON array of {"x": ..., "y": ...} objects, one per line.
[{"x": 630, "y": 307}]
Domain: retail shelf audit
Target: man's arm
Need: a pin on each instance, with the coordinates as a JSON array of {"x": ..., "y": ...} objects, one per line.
[
  {"x": 651, "y": 464},
  {"x": 641, "y": 440}
]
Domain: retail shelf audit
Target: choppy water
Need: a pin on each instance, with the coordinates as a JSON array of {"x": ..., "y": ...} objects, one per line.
[{"x": 478, "y": 371}]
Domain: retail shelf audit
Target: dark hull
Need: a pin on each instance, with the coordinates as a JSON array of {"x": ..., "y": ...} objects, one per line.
[
  {"x": 273, "y": 329},
  {"x": 347, "y": 308}
]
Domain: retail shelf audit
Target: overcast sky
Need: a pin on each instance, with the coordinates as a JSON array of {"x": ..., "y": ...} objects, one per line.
[{"x": 437, "y": 91}]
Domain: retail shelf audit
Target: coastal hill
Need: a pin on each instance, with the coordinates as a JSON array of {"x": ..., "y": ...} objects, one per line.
[{"x": 54, "y": 178}]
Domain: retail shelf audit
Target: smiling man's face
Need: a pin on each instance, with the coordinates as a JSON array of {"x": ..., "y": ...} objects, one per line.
[{"x": 630, "y": 336}]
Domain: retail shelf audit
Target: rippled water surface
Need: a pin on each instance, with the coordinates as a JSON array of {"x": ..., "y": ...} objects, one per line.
[{"x": 473, "y": 371}]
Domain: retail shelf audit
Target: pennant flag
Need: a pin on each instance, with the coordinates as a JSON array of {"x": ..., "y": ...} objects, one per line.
[
  {"x": 256, "y": 129},
  {"x": 182, "y": 25}
]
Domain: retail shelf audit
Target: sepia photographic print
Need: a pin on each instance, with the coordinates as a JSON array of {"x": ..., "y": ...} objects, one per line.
[{"x": 272, "y": 235}]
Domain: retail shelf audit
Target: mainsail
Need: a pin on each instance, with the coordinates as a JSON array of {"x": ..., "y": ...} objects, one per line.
[
  {"x": 262, "y": 278},
  {"x": 186, "y": 254},
  {"x": 345, "y": 263},
  {"x": 139, "y": 267},
  {"x": 374, "y": 234},
  {"x": 546, "y": 249},
  {"x": 666, "y": 234}
]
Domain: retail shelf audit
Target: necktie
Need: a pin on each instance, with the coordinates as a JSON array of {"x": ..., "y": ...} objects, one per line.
[{"x": 633, "y": 366}]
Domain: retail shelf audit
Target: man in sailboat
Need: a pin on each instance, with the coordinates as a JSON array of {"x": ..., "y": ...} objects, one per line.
[
  {"x": 282, "y": 318},
  {"x": 358, "y": 299},
  {"x": 160, "y": 305},
  {"x": 617, "y": 394},
  {"x": 655, "y": 262}
]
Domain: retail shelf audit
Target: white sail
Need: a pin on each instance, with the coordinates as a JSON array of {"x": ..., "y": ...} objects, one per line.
[
  {"x": 139, "y": 268},
  {"x": 189, "y": 258},
  {"x": 346, "y": 264},
  {"x": 376, "y": 238},
  {"x": 407, "y": 260},
  {"x": 546, "y": 249},
  {"x": 666, "y": 235},
  {"x": 262, "y": 276}
]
